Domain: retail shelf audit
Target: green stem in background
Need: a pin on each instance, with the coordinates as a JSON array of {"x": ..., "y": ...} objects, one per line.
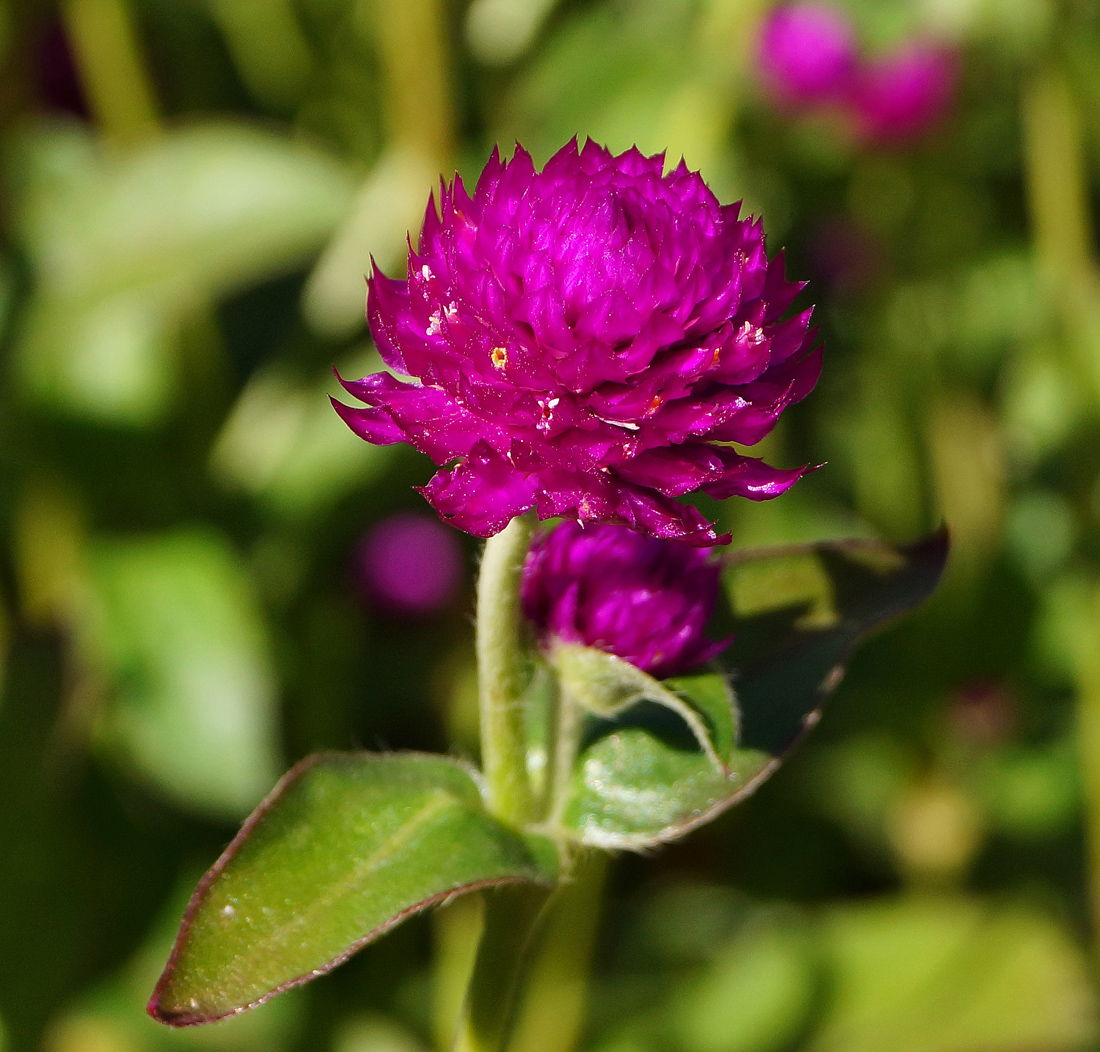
[
  {"x": 412, "y": 44},
  {"x": 1057, "y": 180},
  {"x": 1056, "y": 175},
  {"x": 1085, "y": 652},
  {"x": 551, "y": 1011},
  {"x": 112, "y": 69},
  {"x": 502, "y": 672},
  {"x": 512, "y": 917}
]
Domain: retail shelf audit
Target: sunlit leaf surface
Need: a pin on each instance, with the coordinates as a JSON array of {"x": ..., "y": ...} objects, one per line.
[{"x": 346, "y": 846}]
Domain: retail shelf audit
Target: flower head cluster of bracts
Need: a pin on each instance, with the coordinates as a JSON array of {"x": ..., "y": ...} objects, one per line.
[
  {"x": 587, "y": 341},
  {"x": 808, "y": 58},
  {"x": 643, "y": 599}
]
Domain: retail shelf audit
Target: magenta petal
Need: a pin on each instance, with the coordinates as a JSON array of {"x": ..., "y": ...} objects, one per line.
[
  {"x": 751, "y": 477},
  {"x": 674, "y": 470},
  {"x": 372, "y": 425},
  {"x": 482, "y": 494}
]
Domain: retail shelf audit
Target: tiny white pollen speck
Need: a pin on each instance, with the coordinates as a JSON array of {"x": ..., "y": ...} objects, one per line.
[{"x": 228, "y": 911}]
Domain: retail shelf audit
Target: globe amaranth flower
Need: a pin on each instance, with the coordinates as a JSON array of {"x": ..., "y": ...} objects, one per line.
[
  {"x": 645, "y": 599},
  {"x": 903, "y": 94},
  {"x": 806, "y": 53},
  {"x": 586, "y": 340}
]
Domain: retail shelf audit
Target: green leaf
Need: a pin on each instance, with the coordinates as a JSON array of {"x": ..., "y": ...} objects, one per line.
[
  {"x": 345, "y": 847},
  {"x": 125, "y": 247},
  {"x": 942, "y": 974},
  {"x": 640, "y": 779},
  {"x": 710, "y": 694},
  {"x": 607, "y": 686},
  {"x": 800, "y": 613},
  {"x": 180, "y": 638}
]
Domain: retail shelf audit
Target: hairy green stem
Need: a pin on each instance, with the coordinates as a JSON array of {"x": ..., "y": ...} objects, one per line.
[{"x": 502, "y": 672}]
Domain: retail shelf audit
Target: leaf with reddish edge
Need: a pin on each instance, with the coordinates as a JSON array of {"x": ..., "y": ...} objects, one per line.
[
  {"x": 641, "y": 779},
  {"x": 346, "y": 846}
]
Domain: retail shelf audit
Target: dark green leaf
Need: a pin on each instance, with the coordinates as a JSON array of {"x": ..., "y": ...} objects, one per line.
[
  {"x": 346, "y": 846},
  {"x": 800, "y": 612}
]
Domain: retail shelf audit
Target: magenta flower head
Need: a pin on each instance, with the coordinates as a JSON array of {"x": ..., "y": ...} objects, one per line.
[
  {"x": 806, "y": 53},
  {"x": 586, "y": 340},
  {"x": 902, "y": 95},
  {"x": 643, "y": 599}
]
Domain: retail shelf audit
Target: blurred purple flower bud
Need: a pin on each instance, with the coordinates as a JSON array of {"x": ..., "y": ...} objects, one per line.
[
  {"x": 645, "y": 599},
  {"x": 586, "y": 341},
  {"x": 806, "y": 53},
  {"x": 902, "y": 95},
  {"x": 409, "y": 564}
]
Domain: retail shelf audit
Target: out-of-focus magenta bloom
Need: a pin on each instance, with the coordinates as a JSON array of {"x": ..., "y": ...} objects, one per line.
[
  {"x": 585, "y": 341},
  {"x": 409, "y": 564},
  {"x": 806, "y": 53},
  {"x": 904, "y": 94},
  {"x": 644, "y": 599}
]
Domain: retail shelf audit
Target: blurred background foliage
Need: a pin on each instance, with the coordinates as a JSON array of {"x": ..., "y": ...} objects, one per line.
[{"x": 191, "y": 597}]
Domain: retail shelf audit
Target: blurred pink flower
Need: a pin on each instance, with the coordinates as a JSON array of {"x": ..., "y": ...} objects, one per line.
[
  {"x": 806, "y": 53},
  {"x": 903, "y": 94},
  {"x": 409, "y": 564}
]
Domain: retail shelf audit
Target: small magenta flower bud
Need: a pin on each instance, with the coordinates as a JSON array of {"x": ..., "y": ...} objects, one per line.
[{"x": 643, "y": 599}]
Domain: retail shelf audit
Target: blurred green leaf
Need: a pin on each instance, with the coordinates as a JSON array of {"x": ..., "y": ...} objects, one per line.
[
  {"x": 284, "y": 444},
  {"x": 625, "y": 75},
  {"x": 1034, "y": 794},
  {"x": 755, "y": 996},
  {"x": 951, "y": 975},
  {"x": 124, "y": 246},
  {"x": 183, "y": 644},
  {"x": 344, "y": 848},
  {"x": 374, "y": 1033}
]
